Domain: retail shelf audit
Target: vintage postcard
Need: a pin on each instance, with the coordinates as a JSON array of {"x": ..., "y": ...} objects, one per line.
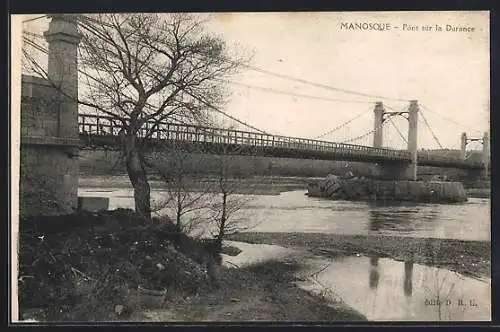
[{"x": 281, "y": 166}]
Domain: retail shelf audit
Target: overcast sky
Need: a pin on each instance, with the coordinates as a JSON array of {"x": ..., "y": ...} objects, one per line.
[{"x": 447, "y": 72}]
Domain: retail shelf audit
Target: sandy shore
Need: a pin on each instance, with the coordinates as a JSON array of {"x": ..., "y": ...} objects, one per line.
[
  {"x": 258, "y": 284},
  {"x": 470, "y": 258}
]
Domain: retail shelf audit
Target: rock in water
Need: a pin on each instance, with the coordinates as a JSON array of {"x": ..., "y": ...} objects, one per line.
[
  {"x": 332, "y": 184},
  {"x": 397, "y": 190}
]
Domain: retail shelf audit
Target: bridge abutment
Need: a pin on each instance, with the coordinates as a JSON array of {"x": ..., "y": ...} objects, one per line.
[
  {"x": 49, "y": 127},
  {"x": 485, "y": 158},
  {"x": 396, "y": 171},
  {"x": 477, "y": 174}
]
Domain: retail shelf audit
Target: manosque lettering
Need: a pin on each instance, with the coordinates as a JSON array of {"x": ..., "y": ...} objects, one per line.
[{"x": 365, "y": 26}]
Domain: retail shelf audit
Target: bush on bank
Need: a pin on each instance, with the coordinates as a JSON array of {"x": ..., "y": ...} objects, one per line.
[{"x": 80, "y": 266}]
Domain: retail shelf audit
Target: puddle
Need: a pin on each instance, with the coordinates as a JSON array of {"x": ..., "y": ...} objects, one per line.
[
  {"x": 385, "y": 290},
  {"x": 254, "y": 253},
  {"x": 382, "y": 289}
]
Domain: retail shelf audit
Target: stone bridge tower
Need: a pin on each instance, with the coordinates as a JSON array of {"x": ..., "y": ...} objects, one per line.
[
  {"x": 398, "y": 170},
  {"x": 49, "y": 126},
  {"x": 482, "y": 174}
]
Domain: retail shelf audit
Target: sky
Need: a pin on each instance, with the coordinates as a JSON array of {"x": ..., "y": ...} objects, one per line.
[{"x": 446, "y": 71}]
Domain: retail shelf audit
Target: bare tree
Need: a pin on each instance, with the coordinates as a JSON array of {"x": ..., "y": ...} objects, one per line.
[
  {"x": 227, "y": 203},
  {"x": 145, "y": 69},
  {"x": 185, "y": 198}
]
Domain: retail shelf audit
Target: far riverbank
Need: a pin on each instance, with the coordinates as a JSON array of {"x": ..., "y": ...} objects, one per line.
[
  {"x": 256, "y": 185},
  {"x": 470, "y": 258},
  {"x": 270, "y": 185},
  {"x": 478, "y": 192}
]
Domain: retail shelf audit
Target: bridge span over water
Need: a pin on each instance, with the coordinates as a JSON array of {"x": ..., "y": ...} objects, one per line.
[
  {"x": 52, "y": 134},
  {"x": 102, "y": 131}
]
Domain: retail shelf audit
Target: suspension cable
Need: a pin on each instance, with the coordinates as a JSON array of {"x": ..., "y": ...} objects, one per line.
[
  {"x": 284, "y": 76},
  {"x": 430, "y": 129},
  {"x": 34, "y": 19},
  {"x": 283, "y": 92},
  {"x": 260, "y": 88},
  {"x": 40, "y": 48},
  {"x": 450, "y": 120},
  {"x": 358, "y": 137},
  {"x": 363, "y": 135},
  {"x": 397, "y": 129},
  {"x": 340, "y": 126}
]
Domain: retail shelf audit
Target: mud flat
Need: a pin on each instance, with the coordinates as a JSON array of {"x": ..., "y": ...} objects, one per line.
[
  {"x": 471, "y": 258},
  {"x": 110, "y": 266},
  {"x": 478, "y": 192},
  {"x": 333, "y": 187},
  {"x": 259, "y": 282}
]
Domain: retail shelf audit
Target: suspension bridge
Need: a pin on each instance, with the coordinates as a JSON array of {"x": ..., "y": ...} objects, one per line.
[
  {"x": 101, "y": 131},
  {"x": 77, "y": 129}
]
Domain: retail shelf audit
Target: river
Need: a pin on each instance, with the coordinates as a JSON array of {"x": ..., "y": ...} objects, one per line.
[
  {"x": 382, "y": 289},
  {"x": 293, "y": 211}
]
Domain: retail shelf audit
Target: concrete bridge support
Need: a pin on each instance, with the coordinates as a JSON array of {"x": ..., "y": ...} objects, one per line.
[
  {"x": 49, "y": 127},
  {"x": 486, "y": 155},
  {"x": 413, "y": 139},
  {"x": 463, "y": 145},
  {"x": 398, "y": 170},
  {"x": 477, "y": 174},
  {"x": 378, "y": 125}
]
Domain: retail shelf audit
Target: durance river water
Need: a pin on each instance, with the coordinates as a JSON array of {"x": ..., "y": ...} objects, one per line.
[
  {"x": 379, "y": 288},
  {"x": 295, "y": 212}
]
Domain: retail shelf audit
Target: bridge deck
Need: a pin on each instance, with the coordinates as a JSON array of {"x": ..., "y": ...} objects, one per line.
[{"x": 103, "y": 131}]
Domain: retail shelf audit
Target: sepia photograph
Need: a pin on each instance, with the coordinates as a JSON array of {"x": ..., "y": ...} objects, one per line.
[{"x": 250, "y": 167}]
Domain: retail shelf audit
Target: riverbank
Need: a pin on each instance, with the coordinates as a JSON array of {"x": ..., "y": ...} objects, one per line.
[
  {"x": 264, "y": 291},
  {"x": 478, "y": 192},
  {"x": 256, "y": 185},
  {"x": 265, "y": 185},
  {"x": 111, "y": 267},
  {"x": 471, "y": 258}
]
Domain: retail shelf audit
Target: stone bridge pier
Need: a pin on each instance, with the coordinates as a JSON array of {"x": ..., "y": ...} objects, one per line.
[
  {"x": 49, "y": 127},
  {"x": 397, "y": 170},
  {"x": 477, "y": 174}
]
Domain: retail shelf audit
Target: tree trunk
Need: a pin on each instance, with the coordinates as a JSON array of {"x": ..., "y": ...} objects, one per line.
[
  {"x": 178, "y": 214},
  {"x": 222, "y": 225},
  {"x": 213, "y": 270},
  {"x": 138, "y": 177}
]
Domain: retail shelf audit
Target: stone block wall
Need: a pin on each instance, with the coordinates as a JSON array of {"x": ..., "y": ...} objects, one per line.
[
  {"x": 39, "y": 118},
  {"x": 49, "y": 126},
  {"x": 377, "y": 190},
  {"x": 48, "y": 160},
  {"x": 39, "y": 108},
  {"x": 93, "y": 204},
  {"x": 48, "y": 183}
]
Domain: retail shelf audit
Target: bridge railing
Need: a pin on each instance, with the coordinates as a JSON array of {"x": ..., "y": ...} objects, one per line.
[
  {"x": 98, "y": 125},
  {"x": 439, "y": 159}
]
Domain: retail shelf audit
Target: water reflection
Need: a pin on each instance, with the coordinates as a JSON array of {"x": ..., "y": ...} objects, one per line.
[
  {"x": 405, "y": 290},
  {"x": 398, "y": 218},
  {"x": 374, "y": 275},
  {"x": 408, "y": 281},
  {"x": 374, "y": 272}
]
